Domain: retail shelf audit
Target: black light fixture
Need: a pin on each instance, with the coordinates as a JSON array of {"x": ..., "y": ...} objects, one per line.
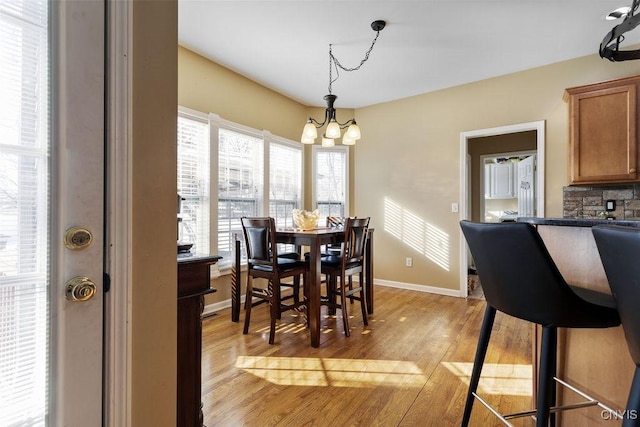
[
  {"x": 610, "y": 46},
  {"x": 334, "y": 128}
]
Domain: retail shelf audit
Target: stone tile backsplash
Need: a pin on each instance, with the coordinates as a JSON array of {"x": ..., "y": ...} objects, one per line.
[{"x": 589, "y": 202}]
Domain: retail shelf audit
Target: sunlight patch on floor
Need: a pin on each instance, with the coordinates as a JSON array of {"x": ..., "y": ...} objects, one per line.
[
  {"x": 501, "y": 379},
  {"x": 329, "y": 372}
]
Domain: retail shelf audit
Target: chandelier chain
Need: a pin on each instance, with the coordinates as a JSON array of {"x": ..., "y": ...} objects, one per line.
[{"x": 334, "y": 62}]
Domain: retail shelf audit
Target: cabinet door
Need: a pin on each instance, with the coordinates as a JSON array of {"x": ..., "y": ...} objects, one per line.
[
  {"x": 502, "y": 180},
  {"x": 603, "y": 135}
]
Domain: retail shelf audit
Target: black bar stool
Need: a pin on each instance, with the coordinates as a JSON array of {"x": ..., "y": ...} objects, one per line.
[
  {"x": 619, "y": 249},
  {"x": 520, "y": 279}
]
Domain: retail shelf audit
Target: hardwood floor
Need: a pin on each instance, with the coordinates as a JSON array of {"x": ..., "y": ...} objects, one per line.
[{"x": 409, "y": 367}]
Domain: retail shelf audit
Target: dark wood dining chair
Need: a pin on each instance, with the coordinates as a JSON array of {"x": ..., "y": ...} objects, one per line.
[
  {"x": 263, "y": 262},
  {"x": 341, "y": 267}
]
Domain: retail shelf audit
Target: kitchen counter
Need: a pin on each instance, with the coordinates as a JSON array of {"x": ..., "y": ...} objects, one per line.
[
  {"x": 595, "y": 360},
  {"x": 578, "y": 222}
]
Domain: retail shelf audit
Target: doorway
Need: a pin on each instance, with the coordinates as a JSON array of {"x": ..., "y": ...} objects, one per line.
[
  {"x": 471, "y": 143},
  {"x": 507, "y": 186}
]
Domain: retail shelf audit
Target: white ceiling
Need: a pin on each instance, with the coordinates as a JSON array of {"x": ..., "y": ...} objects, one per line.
[{"x": 427, "y": 45}]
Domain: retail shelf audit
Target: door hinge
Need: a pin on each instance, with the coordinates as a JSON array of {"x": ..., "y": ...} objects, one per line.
[{"x": 106, "y": 281}]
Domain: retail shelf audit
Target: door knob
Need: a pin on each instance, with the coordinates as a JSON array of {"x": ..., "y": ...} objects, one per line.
[{"x": 79, "y": 289}]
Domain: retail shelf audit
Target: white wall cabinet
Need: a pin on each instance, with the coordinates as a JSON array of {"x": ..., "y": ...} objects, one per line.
[{"x": 500, "y": 180}]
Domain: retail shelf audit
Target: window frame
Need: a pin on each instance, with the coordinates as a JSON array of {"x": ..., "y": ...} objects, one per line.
[
  {"x": 216, "y": 123},
  {"x": 315, "y": 150},
  {"x": 203, "y": 119},
  {"x": 277, "y": 140}
]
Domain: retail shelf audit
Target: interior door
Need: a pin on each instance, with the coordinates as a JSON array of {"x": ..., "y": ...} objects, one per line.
[
  {"x": 526, "y": 186},
  {"x": 51, "y": 180}
]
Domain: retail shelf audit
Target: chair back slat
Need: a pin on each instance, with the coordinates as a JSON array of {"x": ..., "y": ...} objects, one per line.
[
  {"x": 355, "y": 238},
  {"x": 335, "y": 221}
]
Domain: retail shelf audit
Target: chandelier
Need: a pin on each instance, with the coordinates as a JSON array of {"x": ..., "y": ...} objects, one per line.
[{"x": 334, "y": 128}]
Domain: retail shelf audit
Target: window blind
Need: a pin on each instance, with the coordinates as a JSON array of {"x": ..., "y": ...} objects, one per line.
[
  {"x": 285, "y": 182},
  {"x": 330, "y": 182},
  {"x": 193, "y": 182},
  {"x": 24, "y": 212},
  {"x": 240, "y": 184}
]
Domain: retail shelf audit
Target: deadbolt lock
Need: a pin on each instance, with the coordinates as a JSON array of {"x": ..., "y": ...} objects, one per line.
[
  {"x": 80, "y": 289},
  {"x": 77, "y": 238}
]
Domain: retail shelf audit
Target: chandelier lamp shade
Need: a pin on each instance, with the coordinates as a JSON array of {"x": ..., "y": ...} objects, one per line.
[{"x": 334, "y": 128}]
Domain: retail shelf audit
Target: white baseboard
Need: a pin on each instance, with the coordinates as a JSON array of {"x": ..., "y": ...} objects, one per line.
[
  {"x": 419, "y": 288},
  {"x": 209, "y": 309}
]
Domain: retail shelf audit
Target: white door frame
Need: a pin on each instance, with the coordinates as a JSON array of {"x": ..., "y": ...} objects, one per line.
[
  {"x": 465, "y": 193},
  {"x": 117, "y": 377}
]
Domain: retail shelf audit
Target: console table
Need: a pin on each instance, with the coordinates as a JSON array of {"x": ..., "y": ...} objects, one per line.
[{"x": 194, "y": 282}]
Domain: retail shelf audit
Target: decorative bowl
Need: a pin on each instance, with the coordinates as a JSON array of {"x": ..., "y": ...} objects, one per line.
[{"x": 304, "y": 219}]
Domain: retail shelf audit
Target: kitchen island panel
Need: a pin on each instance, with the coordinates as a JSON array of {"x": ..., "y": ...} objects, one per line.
[{"x": 596, "y": 361}]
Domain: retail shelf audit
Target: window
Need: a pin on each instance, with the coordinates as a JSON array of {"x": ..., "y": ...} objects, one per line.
[
  {"x": 24, "y": 212},
  {"x": 258, "y": 174},
  {"x": 193, "y": 182},
  {"x": 285, "y": 183},
  {"x": 330, "y": 178},
  {"x": 240, "y": 184}
]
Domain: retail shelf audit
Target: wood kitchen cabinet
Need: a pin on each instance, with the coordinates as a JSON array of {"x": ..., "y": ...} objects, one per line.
[{"x": 603, "y": 141}]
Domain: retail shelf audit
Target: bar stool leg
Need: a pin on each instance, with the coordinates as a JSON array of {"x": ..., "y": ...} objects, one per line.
[
  {"x": 481, "y": 351},
  {"x": 546, "y": 384},
  {"x": 632, "y": 414}
]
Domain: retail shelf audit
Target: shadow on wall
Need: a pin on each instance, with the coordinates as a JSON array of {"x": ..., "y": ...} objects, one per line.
[{"x": 415, "y": 232}]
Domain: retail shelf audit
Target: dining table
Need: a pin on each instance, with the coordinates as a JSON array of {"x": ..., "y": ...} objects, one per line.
[{"x": 314, "y": 239}]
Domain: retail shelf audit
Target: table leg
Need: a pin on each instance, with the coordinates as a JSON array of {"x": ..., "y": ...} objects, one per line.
[
  {"x": 368, "y": 272},
  {"x": 314, "y": 291}
]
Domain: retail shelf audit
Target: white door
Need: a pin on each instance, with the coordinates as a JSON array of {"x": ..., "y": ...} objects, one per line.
[
  {"x": 51, "y": 179},
  {"x": 526, "y": 186}
]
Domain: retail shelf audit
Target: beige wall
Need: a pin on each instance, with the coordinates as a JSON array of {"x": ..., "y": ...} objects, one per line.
[
  {"x": 153, "y": 176},
  {"x": 407, "y": 170},
  {"x": 208, "y": 87}
]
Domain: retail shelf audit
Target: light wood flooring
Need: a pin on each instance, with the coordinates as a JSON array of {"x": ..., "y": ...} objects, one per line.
[{"x": 409, "y": 367}]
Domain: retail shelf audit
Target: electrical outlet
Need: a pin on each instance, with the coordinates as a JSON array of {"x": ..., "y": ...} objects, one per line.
[
  {"x": 408, "y": 262},
  {"x": 454, "y": 207}
]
